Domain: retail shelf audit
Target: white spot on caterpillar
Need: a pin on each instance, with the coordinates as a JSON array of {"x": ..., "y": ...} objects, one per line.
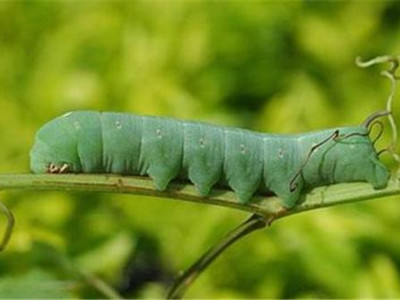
[
  {"x": 201, "y": 142},
  {"x": 77, "y": 125},
  {"x": 281, "y": 154},
  {"x": 242, "y": 149},
  {"x": 118, "y": 124},
  {"x": 159, "y": 134}
]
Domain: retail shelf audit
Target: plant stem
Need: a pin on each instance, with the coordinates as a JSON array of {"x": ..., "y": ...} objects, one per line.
[
  {"x": 265, "y": 206},
  {"x": 182, "y": 283}
]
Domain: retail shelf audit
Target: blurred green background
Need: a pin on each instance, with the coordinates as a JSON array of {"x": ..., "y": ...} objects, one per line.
[{"x": 284, "y": 66}]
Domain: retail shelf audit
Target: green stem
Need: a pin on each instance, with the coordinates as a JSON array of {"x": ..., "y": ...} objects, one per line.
[{"x": 265, "y": 206}]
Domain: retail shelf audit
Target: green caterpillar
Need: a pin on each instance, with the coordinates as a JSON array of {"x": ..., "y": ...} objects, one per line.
[{"x": 246, "y": 161}]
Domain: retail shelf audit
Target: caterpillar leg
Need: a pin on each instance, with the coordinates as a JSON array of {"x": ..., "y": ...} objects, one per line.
[
  {"x": 290, "y": 197},
  {"x": 160, "y": 182},
  {"x": 379, "y": 176}
]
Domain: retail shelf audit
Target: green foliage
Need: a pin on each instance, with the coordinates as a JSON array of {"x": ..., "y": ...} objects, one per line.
[
  {"x": 267, "y": 66},
  {"x": 34, "y": 284}
]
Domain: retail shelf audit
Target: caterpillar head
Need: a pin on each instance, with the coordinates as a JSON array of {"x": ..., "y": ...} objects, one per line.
[{"x": 54, "y": 150}]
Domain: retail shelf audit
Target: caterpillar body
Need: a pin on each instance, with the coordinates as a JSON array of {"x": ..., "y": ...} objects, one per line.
[{"x": 246, "y": 161}]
